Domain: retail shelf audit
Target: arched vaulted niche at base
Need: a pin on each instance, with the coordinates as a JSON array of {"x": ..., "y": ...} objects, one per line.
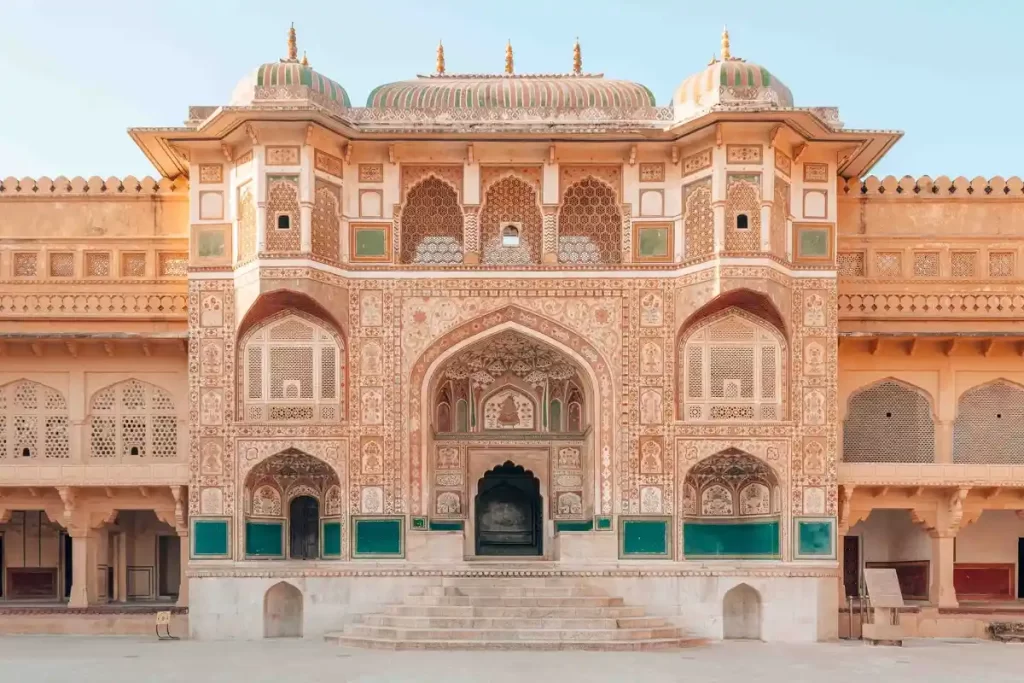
[
  {"x": 741, "y": 614},
  {"x": 509, "y": 512},
  {"x": 282, "y": 611}
]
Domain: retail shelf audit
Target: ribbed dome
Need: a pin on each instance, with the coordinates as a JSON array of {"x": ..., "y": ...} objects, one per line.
[
  {"x": 730, "y": 83},
  {"x": 508, "y": 91},
  {"x": 287, "y": 74}
]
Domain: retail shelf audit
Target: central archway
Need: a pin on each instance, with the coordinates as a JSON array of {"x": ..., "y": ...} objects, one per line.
[{"x": 509, "y": 512}]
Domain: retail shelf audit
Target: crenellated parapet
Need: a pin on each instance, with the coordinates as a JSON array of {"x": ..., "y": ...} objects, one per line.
[
  {"x": 94, "y": 186},
  {"x": 939, "y": 188}
]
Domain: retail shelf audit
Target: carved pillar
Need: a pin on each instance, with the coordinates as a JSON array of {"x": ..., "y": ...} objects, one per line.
[
  {"x": 259, "y": 190},
  {"x": 120, "y": 567},
  {"x": 307, "y": 189},
  {"x": 549, "y": 242},
  {"x": 83, "y": 559},
  {"x": 941, "y": 592},
  {"x": 183, "y": 582},
  {"x": 471, "y": 234},
  {"x": 944, "y": 441},
  {"x": 767, "y": 206}
]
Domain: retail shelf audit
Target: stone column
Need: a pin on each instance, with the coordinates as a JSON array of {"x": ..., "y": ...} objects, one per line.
[
  {"x": 83, "y": 579},
  {"x": 307, "y": 192},
  {"x": 259, "y": 190},
  {"x": 471, "y": 234},
  {"x": 943, "y": 441},
  {"x": 185, "y": 552},
  {"x": 121, "y": 566},
  {"x": 549, "y": 242},
  {"x": 941, "y": 592}
]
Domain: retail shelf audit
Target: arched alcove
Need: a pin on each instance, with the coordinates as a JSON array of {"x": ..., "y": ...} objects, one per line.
[
  {"x": 741, "y": 613},
  {"x": 282, "y": 611},
  {"x": 509, "y": 512},
  {"x": 889, "y": 421},
  {"x": 989, "y": 425}
]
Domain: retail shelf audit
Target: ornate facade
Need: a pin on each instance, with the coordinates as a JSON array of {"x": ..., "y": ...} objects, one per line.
[{"x": 328, "y": 342}]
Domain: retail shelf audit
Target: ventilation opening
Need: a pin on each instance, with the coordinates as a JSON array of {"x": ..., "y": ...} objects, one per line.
[
  {"x": 284, "y": 222},
  {"x": 134, "y": 450},
  {"x": 26, "y": 452},
  {"x": 741, "y": 221},
  {"x": 510, "y": 236}
]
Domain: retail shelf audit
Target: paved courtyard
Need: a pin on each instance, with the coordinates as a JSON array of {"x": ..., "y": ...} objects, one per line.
[{"x": 39, "y": 659}]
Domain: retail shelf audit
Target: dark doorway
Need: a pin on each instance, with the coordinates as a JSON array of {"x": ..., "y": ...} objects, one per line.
[
  {"x": 69, "y": 567},
  {"x": 509, "y": 520},
  {"x": 304, "y": 522},
  {"x": 851, "y": 565},
  {"x": 1020, "y": 567},
  {"x": 169, "y": 559}
]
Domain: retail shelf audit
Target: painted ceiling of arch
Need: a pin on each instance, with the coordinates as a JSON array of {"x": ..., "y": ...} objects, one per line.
[
  {"x": 509, "y": 352},
  {"x": 733, "y": 466},
  {"x": 292, "y": 463}
]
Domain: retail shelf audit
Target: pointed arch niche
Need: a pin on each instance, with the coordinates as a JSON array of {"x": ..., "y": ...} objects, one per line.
[
  {"x": 133, "y": 419},
  {"x": 989, "y": 424},
  {"x": 590, "y": 223},
  {"x": 511, "y": 223},
  {"x": 432, "y": 223},
  {"x": 292, "y": 506},
  {"x": 889, "y": 421}
]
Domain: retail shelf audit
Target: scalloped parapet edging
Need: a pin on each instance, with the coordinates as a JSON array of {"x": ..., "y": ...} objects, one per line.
[
  {"x": 925, "y": 186},
  {"x": 94, "y": 186}
]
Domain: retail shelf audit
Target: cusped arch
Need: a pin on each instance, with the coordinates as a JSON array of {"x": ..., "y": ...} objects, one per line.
[
  {"x": 277, "y": 301},
  {"x": 590, "y": 360},
  {"x": 754, "y": 303},
  {"x": 431, "y": 220},
  {"x": 34, "y": 420},
  {"x": 511, "y": 199},
  {"x": 989, "y": 424},
  {"x": 590, "y": 223},
  {"x": 889, "y": 420},
  {"x": 133, "y": 418}
]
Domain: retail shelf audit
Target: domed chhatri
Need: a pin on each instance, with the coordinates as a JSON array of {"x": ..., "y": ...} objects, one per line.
[
  {"x": 289, "y": 79},
  {"x": 730, "y": 83},
  {"x": 508, "y": 90}
]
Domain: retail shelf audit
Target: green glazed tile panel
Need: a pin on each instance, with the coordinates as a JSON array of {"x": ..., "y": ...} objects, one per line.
[
  {"x": 377, "y": 537},
  {"x": 575, "y": 525},
  {"x": 814, "y": 537},
  {"x": 653, "y": 242},
  {"x": 418, "y": 523},
  {"x": 644, "y": 537},
  {"x": 210, "y": 538},
  {"x": 814, "y": 242},
  {"x": 442, "y": 525},
  {"x": 330, "y": 532},
  {"x": 264, "y": 538},
  {"x": 371, "y": 242},
  {"x": 731, "y": 539},
  {"x": 604, "y": 523}
]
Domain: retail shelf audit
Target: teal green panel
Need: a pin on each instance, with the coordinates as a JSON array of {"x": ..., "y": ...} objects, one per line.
[
  {"x": 264, "y": 538},
  {"x": 604, "y": 523},
  {"x": 813, "y": 242},
  {"x": 461, "y": 416},
  {"x": 555, "y": 416},
  {"x": 644, "y": 537},
  {"x": 453, "y": 525},
  {"x": 210, "y": 537},
  {"x": 653, "y": 242},
  {"x": 575, "y": 525},
  {"x": 418, "y": 523},
  {"x": 731, "y": 539},
  {"x": 330, "y": 531},
  {"x": 814, "y": 538},
  {"x": 377, "y": 537},
  {"x": 371, "y": 242}
]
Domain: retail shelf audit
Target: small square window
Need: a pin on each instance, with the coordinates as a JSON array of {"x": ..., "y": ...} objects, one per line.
[
  {"x": 284, "y": 221},
  {"x": 742, "y": 223}
]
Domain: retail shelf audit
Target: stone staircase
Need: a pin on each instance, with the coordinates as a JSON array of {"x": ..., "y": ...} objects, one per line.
[{"x": 511, "y": 614}]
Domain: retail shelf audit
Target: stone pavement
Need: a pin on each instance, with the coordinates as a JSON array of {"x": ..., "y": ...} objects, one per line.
[{"x": 46, "y": 659}]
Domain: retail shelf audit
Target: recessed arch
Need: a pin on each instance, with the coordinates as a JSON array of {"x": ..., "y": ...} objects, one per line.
[
  {"x": 741, "y": 613},
  {"x": 133, "y": 418},
  {"x": 431, "y": 222},
  {"x": 590, "y": 223},
  {"x": 34, "y": 420},
  {"x": 889, "y": 420},
  {"x": 752, "y": 302},
  {"x": 592, "y": 364},
  {"x": 511, "y": 202},
  {"x": 277, "y": 301},
  {"x": 989, "y": 424}
]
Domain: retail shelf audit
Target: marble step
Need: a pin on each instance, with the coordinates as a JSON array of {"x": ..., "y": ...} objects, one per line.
[
  {"x": 505, "y": 590},
  {"x": 532, "y": 635},
  {"x": 468, "y": 611},
  {"x": 512, "y": 601},
  {"x": 571, "y": 623},
  {"x": 532, "y": 645}
]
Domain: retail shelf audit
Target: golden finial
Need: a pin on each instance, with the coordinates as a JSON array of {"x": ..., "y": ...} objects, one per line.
[
  {"x": 305, "y": 60},
  {"x": 508, "y": 58},
  {"x": 726, "y": 55},
  {"x": 440, "y": 57},
  {"x": 577, "y": 58},
  {"x": 293, "y": 48}
]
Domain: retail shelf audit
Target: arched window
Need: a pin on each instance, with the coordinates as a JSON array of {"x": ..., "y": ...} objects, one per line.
[
  {"x": 33, "y": 421},
  {"x": 590, "y": 224},
  {"x": 431, "y": 222},
  {"x": 294, "y": 371},
  {"x": 989, "y": 425},
  {"x": 511, "y": 223},
  {"x": 888, "y": 422},
  {"x": 731, "y": 369},
  {"x": 132, "y": 419}
]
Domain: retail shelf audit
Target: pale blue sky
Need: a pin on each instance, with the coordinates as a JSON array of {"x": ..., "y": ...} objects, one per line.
[{"x": 78, "y": 74}]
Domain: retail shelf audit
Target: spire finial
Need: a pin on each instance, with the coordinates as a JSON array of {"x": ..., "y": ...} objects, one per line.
[
  {"x": 305, "y": 60},
  {"x": 726, "y": 55},
  {"x": 577, "y": 58},
  {"x": 293, "y": 48},
  {"x": 508, "y": 58},
  {"x": 440, "y": 57}
]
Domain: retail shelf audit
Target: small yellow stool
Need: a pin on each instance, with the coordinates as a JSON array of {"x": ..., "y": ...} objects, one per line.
[{"x": 164, "y": 619}]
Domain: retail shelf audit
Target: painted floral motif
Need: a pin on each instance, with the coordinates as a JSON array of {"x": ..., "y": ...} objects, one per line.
[
  {"x": 716, "y": 501},
  {"x": 650, "y": 500}
]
